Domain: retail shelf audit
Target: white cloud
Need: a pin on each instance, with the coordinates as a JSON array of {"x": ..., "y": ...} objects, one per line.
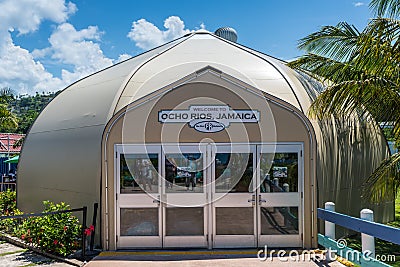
[
  {"x": 21, "y": 72},
  {"x": 146, "y": 35},
  {"x": 77, "y": 48},
  {"x": 26, "y": 15},
  {"x": 18, "y": 68},
  {"x": 358, "y": 4},
  {"x": 123, "y": 57}
]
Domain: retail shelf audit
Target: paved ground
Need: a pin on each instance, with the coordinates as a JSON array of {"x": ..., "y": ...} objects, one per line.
[
  {"x": 228, "y": 258},
  {"x": 11, "y": 256}
]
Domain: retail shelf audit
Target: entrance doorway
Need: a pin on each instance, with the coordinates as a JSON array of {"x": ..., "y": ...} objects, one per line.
[{"x": 219, "y": 196}]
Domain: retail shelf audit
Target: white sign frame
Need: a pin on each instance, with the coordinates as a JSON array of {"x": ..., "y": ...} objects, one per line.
[{"x": 209, "y": 118}]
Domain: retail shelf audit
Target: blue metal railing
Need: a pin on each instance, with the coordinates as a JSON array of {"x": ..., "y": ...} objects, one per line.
[
  {"x": 369, "y": 228},
  {"x": 377, "y": 230}
]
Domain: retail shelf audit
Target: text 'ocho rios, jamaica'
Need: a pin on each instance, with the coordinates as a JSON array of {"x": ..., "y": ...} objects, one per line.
[{"x": 209, "y": 118}]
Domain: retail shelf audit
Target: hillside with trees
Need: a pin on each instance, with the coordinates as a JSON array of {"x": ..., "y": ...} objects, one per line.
[{"x": 25, "y": 108}]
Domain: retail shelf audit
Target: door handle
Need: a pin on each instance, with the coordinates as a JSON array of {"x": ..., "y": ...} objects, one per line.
[
  {"x": 252, "y": 200},
  {"x": 260, "y": 200}
]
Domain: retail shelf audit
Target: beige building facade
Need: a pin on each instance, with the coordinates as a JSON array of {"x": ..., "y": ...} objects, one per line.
[{"x": 200, "y": 142}]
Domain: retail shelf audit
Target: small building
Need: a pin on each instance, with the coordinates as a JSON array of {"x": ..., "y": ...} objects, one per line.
[
  {"x": 201, "y": 142},
  {"x": 8, "y": 149}
]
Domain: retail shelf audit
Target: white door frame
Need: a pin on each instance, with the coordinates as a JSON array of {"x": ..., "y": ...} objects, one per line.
[
  {"x": 136, "y": 200},
  {"x": 232, "y": 200},
  {"x": 286, "y": 199},
  {"x": 209, "y": 239},
  {"x": 189, "y": 198}
]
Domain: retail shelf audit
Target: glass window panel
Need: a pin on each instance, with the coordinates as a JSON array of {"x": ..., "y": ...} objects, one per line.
[
  {"x": 279, "y": 172},
  {"x": 279, "y": 220},
  {"x": 235, "y": 221},
  {"x": 138, "y": 173},
  {"x": 139, "y": 222},
  {"x": 184, "y": 173},
  {"x": 233, "y": 172},
  {"x": 184, "y": 221}
]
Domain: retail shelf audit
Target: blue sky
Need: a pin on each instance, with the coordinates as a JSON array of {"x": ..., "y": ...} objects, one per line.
[{"x": 46, "y": 45}]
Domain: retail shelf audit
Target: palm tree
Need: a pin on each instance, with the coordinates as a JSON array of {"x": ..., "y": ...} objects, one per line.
[
  {"x": 8, "y": 120},
  {"x": 362, "y": 70}
]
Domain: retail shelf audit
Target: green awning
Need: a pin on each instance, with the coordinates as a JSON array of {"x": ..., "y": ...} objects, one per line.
[{"x": 12, "y": 160}]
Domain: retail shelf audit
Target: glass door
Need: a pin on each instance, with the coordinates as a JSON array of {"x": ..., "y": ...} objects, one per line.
[
  {"x": 185, "y": 210},
  {"x": 203, "y": 196},
  {"x": 138, "y": 209},
  {"x": 279, "y": 209},
  {"x": 234, "y": 196}
]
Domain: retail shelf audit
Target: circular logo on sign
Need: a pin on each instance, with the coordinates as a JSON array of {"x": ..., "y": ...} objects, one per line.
[{"x": 209, "y": 126}]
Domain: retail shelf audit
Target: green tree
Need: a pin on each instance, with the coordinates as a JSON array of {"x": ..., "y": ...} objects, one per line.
[
  {"x": 26, "y": 119},
  {"x": 362, "y": 70},
  {"x": 8, "y": 120},
  {"x": 27, "y": 108}
]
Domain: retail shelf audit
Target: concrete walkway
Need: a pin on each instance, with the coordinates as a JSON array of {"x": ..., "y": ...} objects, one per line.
[
  {"x": 226, "y": 258},
  {"x": 12, "y": 255}
]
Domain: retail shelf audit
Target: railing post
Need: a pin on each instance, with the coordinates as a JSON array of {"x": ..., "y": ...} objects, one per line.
[
  {"x": 95, "y": 207},
  {"x": 367, "y": 241},
  {"x": 330, "y": 227},
  {"x": 84, "y": 214},
  {"x": 330, "y": 231}
]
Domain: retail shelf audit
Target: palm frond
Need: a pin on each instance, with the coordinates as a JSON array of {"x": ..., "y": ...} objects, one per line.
[
  {"x": 320, "y": 68},
  {"x": 336, "y": 42},
  {"x": 384, "y": 182},
  {"x": 380, "y": 45},
  {"x": 326, "y": 69},
  {"x": 386, "y": 7},
  {"x": 362, "y": 71},
  {"x": 364, "y": 97}
]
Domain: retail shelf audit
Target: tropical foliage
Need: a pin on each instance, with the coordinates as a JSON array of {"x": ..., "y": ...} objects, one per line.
[
  {"x": 8, "y": 202},
  {"x": 8, "y": 120},
  {"x": 27, "y": 108},
  {"x": 8, "y": 207},
  {"x": 362, "y": 73},
  {"x": 57, "y": 233}
]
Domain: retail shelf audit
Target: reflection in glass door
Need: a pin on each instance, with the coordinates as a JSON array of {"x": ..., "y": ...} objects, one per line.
[
  {"x": 138, "y": 208},
  {"x": 234, "y": 196},
  {"x": 279, "y": 195},
  {"x": 184, "y": 196},
  {"x": 199, "y": 196}
]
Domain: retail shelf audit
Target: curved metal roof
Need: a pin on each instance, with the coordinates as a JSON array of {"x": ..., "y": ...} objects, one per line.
[
  {"x": 62, "y": 154},
  {"x": 99, "y": 96},
  {"x": 68, "y": 132}
]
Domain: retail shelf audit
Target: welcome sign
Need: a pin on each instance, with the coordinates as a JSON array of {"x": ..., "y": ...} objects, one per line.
[{"x": 209, "y": 119}]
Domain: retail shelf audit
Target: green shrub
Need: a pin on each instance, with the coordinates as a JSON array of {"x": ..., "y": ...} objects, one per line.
[
  {"x": 8, "y": 207},
  {"x": 58, "y": 234},
  {"x": 8, "y": 202}
]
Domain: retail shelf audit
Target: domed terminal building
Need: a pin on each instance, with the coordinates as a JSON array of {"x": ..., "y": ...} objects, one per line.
[{"x": 202, "y": 143}]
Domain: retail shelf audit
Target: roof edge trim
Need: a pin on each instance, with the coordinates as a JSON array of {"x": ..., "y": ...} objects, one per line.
[{"x": 133, "y": 72}]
